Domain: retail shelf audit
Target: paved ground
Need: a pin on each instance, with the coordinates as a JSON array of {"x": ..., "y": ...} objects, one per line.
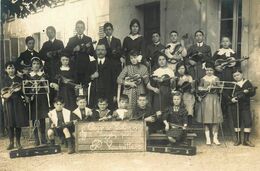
[{"x": 207, "y": 159}]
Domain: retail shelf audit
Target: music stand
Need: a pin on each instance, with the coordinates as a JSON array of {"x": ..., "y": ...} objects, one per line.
[{"x": 32, "y": 88}]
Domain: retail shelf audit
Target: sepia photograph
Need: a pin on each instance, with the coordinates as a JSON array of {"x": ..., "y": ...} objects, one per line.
[{"x": 130, "y": 85}]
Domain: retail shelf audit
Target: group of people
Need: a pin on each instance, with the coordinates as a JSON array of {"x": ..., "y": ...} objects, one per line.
[{"x": 167, "y": 86}]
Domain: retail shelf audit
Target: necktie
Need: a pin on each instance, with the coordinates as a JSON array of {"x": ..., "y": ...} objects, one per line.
[
  {"x": 100, "y": 62},
  {"x": 109, "y": 41}
]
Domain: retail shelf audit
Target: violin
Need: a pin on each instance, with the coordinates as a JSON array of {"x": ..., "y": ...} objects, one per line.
[
  {"x": 137, "y": 79},
  {"x": 221, "y": 64},
  {"x": 7, "y": 92}
]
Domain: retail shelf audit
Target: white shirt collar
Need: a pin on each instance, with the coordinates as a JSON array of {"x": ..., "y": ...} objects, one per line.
[
  {"x": 200, "y": 44},
  {"x": 157, "y": 43},
  {"x": 80, "y": 36},
  {"x": 102, "y": 60},
  {"x": 64, "y": 68},
  {"x": 241, "y": 83},
  {"x": 109, "y": 37},
  {"x": 52, "y": 40}
]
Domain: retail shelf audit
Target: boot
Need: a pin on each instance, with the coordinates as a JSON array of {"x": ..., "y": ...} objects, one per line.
[
  {"x": 52, "y": 142},
  {"x": 11, "y": 144},
  {"x": 18, "y": 137},
  {"x": 70, "y": 146},
  {"x": 238, "y": 139},
  {"x": 36, "y": 137},
  {"x": 215, "y": 138},
  {"x": 189, "y": 120},
  {"x": 246, "y": 140},
  {"x": 207, "y": 134}
]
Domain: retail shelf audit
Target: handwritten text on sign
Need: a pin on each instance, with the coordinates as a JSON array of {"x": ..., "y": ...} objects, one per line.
[{"x": 110, "y": 136}]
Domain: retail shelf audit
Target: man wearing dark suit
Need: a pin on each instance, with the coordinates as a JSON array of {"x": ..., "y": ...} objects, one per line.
[
  {"x": 103, "y": 78},
  {"x": 153, "y": 50},
  {"x": 113, "y": 47},
  {"x": 50, "y": 52},
  {"x": 80, "y": 47},
  {"x": 23, "y": 62}
]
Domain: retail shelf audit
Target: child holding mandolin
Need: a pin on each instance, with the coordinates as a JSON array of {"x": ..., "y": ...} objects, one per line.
[{"x": 15, "y": 114}]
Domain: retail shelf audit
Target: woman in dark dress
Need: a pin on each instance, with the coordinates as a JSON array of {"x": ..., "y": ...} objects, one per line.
[
  {"x": 160, "y": 84},
  {"x": 15, "y": 114},
  {"x": 39, "y": 99},
  {"x": 134, "y": 41},
  {"x": 65, "y": 79}
]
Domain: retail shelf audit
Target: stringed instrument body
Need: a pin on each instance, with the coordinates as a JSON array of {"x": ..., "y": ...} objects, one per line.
[
  {"x": 221, "y": 64},
  {"x": 136, "y": 78},
  {"x": 176, "y": 53},
  {"x": 7, "y": 92}
]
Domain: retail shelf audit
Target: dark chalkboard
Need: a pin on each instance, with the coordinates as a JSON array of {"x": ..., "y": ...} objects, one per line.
[{"x": 110, "y": 136}]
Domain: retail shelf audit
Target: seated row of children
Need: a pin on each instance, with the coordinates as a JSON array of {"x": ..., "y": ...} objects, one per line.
[{"x": 62, "y": 120}]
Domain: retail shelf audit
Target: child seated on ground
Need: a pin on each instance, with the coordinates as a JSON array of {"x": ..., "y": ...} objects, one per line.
[
  {"x": 82, "y": 112},
  {"x": 122, "y": 113},
  {"x": 61, "y": 124},
  {"x": 175, "y": 119},
  {"x": 103, "y": 113}
]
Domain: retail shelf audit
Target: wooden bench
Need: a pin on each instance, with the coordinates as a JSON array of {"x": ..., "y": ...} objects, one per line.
[{"x": 162, "y": 137}]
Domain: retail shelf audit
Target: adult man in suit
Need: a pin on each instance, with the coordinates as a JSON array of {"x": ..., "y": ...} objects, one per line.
[
  {"x": 50, "y": 52},
  {"x": 80, "y": 47},
  {"x": 103, "y": 78},
  {"x": 113, "y": 47},
  {"x": 23, "y": 62}
]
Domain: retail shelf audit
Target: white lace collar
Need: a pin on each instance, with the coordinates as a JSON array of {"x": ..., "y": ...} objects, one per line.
[
  {"x": 39, "y": 73},
  {"x": 133, "y": 37},
  {"x": 227, "y": 52},
  {"x": 64, "y": 68}
]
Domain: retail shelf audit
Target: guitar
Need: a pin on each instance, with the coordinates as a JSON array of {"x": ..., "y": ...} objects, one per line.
[
  {"x": 176, "y": 53},
  {"x": 186, "y": 86},
  {"x": 7, "y": 92},
  {"x": 221, "y": 64}
]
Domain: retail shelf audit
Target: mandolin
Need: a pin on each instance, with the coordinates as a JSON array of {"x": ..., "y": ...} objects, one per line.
[
  {"x": 7, "y": 92},
  {"x": 137, "y": 79},
  {"x": 221, "y": 64}
]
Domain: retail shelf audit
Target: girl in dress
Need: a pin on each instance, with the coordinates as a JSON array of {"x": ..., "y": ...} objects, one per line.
[
  {"x": 15, "y": 114},
  {"x": 209, "y": 112},
  {"x": 160, "y": 84},
  {"x": 185, "y": 84},
  {"x": 134, "y": 41},
  {"x": 65, "y": 79},
  {"x": 39, "y": 100},
  {"x": 134, "y": 77}
]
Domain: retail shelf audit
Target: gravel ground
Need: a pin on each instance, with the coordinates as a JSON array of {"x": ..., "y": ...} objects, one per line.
[{"x": 208, "y": 158}]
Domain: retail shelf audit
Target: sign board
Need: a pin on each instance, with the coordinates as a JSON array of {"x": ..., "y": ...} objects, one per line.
[{"x": 112, "y": 136}]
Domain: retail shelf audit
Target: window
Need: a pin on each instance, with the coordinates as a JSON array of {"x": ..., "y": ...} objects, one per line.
[{"x": 231, "y": 22}]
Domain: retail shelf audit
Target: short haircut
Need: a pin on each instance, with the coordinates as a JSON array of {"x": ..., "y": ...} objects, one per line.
[
  {"x": 174, "y": 31},
  {"x": 237, "y": 69},
  {"x": 226, "y": 37},
  {"x": 101, "y": 100},
  {"x": 177, "y": 93},
  {"x": 108, "y": 25},
  {"x": 143, "y": 95},
  {"x": 134, "y": 53},
  {"x": 51, "y": 28},
  {"x": 58, "y": 99},
  {"x": 199, "y": 31},
  {"x": 10, "y": 63},
  {"x": 28, "y": 38},
  {"x": 156, "y": 32},
  {"x": 81, "y": 98},
  {"x": 80, "y": 22},
  {"x": 124, "y": 97}
]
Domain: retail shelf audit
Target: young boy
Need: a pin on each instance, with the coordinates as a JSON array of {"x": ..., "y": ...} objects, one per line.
[
  {"x": 122, "y": 113},
  {"x": 83, "y": 113},
  {"x": 176, "y": 52},
  {"x": 103, "y": 113},
  {"x": 243, "y": 91},
  {"x": 61, "y": 124},
  {"x": 24, "y": 61}
]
